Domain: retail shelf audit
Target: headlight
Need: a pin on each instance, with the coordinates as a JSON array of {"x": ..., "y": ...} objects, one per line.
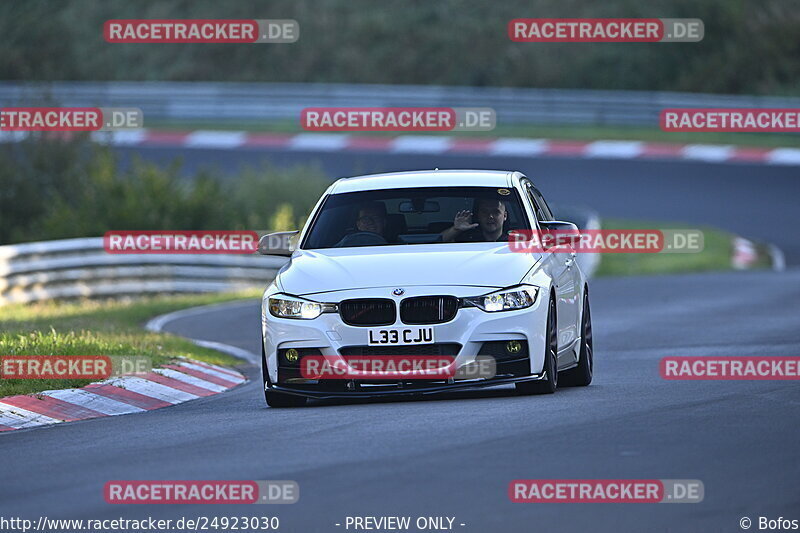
[
  {"x": 518, "y": 297},
  {"x": 285, "y": 306}
]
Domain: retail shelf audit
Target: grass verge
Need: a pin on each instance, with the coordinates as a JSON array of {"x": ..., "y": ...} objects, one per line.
[
  {"x": 99, "y": 328},
  {"x": 716, "y": 254}
]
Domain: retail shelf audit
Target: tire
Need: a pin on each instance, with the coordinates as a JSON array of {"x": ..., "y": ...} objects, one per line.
[
  {"x": 549, "y": 385},
  {"x": 581, "y": 375},
  {"x": 273, "y": 398}
]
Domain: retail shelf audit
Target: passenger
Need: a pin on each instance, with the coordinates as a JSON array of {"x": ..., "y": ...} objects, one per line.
[{"x": 490, "y": 214}]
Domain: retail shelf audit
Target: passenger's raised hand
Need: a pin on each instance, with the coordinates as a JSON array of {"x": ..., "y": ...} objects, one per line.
[{"x": 463, "y": 221}]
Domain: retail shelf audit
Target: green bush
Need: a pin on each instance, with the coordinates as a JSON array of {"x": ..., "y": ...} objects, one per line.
[{"x": 55, "y": 189}]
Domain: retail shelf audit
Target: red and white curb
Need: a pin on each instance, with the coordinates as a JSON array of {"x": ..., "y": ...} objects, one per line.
[
  {"x": 169, "y": 385},
  {"x": 435, "y": 144},
  {"x": 746, "y": 255}
]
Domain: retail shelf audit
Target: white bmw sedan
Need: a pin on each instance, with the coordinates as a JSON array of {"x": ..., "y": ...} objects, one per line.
[{"x": 419, "y": 265}]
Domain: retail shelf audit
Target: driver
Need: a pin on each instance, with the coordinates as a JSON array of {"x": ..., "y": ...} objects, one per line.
[
  {"x": 490, "y": 214},
  {"x": 372, "y": 218}
]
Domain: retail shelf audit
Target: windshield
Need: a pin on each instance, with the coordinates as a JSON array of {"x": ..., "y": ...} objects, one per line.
[{"x": 416, "y": 216}]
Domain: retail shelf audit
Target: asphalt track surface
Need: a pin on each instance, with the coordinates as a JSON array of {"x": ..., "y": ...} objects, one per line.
[{"x": 455, "y": 454}]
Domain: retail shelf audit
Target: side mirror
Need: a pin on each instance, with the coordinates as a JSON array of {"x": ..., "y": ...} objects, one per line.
[
  {"x": 279, "y": 243},
  {"x": 560, "y": 233}
]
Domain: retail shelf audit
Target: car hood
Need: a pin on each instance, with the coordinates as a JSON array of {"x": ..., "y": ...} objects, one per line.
[{"x": 472, "y": 264}]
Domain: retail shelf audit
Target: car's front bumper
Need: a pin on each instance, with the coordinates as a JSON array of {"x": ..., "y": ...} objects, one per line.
[
  {"x": 392, "y": 389},
  {"x": 471, "y": 329}
]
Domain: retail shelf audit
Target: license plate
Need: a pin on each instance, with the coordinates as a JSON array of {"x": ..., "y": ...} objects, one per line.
[{"x": 399, "y": 336}]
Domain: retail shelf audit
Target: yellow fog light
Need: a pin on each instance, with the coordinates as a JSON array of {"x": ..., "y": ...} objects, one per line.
[
  {"x": 292, "y": 355},
  {"x": 513, "y": 346}
]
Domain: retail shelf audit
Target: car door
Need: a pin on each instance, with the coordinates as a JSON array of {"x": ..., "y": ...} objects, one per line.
[{"x": 567, "y": 279}]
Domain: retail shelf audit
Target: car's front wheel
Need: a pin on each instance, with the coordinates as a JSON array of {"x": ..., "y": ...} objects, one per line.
[
  {"x": 550, "y": 384},
  {"x": 273, "y": 398}
]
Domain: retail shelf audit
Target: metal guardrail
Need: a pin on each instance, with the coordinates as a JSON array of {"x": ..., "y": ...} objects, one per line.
[
  {"x": 203, "y": 101},
  {"x": 80, "y": 268}
]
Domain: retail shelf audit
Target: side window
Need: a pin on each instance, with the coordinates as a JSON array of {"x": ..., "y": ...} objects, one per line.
[
  {"x": 546, "y": 211},
  {"x": 537, "y": 207}
]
